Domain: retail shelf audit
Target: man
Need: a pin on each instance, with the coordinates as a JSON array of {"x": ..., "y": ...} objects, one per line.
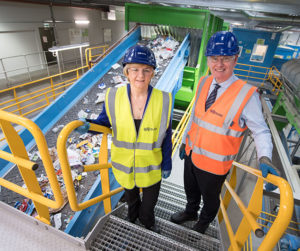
[{"x": 223, "y": 110}]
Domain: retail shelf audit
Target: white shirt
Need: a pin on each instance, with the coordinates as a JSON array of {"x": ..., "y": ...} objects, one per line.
[{"x": 251, "y": 115}]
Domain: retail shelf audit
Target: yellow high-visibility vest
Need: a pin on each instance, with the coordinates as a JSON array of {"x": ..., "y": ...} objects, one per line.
[{"x": 136, "y": 158}]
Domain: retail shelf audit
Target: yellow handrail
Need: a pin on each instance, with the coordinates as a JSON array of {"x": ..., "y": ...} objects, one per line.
[
  {"x": 26, "y": 167},
  {"x": 19, "y": 101},
  {"x": 102, "y": 166},
  {"x": 88, "y": 53},
  {"x": 253, "y": 69},
  {"x": 228, "y": 227},
  {"x": 283, "y": 217},
  {"x": 275, "y": 80},
  {"x": 178, "y": 133}
]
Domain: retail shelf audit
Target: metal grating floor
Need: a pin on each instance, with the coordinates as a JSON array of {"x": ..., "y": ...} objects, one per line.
[
  {"x": 181, "y": 234},
  {"x": 119, "y": 234},
  {"x": 166, "y": 206}
]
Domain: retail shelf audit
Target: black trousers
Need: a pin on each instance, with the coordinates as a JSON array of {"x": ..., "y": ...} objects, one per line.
[
  {"x": 199, "y": 183},
  {"x": 142, "y": 208}
]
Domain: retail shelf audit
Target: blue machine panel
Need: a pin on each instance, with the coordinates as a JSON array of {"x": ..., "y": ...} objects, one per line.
[
  {"x": 284, "y": 54},
  {"x": 257, "y": 49}
]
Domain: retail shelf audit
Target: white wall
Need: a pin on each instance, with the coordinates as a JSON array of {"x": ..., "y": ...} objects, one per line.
[{"x": 19, "y": 30}]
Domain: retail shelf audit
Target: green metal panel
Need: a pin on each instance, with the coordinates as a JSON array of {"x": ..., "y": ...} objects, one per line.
[
  {"x": 226, "y": 26},
  {"x": 179, "y": 17},
  {"x": 283, "y": 108},
  {"x": 213, "y": 24},
  {"x": 173, "y": 16}
]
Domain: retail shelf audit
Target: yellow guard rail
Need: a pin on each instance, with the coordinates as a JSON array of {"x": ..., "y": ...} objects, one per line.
[
  {"x": 102, "y": 166},
  {"x": 252, "y": 212},
  {"x": 26, "y": 167}
]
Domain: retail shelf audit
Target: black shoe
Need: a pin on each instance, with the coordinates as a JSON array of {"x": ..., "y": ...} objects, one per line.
[
  {"x": 181, "y": 217},
  {"x": 154, "y": 228},
  {"x": 130, "y": 220},
  {"x": 200, "y": 228}
]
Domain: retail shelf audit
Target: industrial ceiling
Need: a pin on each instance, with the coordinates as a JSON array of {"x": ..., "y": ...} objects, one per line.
[{"x": 277, "y": 15}]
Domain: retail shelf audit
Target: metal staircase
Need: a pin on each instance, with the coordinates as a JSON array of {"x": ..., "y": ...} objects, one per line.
[{"x": 113, "y": 232}]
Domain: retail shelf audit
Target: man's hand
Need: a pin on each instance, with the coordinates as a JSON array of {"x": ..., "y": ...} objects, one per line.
[
  {"x": 182, "y": 153},
  {"x": 267, "y": 167},
  {"x": 166, "y": 174},
  {"x": 84, "y": 128}
]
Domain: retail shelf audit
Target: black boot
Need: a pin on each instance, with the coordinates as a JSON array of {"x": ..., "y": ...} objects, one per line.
[
  {"x": 154, "y": 228},
  {"x": 181, "y": 217},
  {"x": 200, "y": 228}
]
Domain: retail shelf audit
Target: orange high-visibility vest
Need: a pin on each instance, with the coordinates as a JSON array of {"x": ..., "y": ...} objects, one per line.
[{"x": 215, "y": 135}]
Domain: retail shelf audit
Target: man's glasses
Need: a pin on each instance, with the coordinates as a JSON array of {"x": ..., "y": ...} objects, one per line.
[{"x": 224, "y": 59}]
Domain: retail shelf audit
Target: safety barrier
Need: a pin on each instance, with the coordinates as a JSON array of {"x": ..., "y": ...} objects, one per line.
[
  {"x": 102, "y": 166},
  {"x": 274, "y": 78},
  {"x": 252, "y": 72},
  {"x": 90, "y": 53},
  {"x": 178, "y": 133},
  {"x": 242, "y": 238},
  {"x": 252, "y": 212},
  {"x": 25, "y": 104},
  {"x": 26, "y": 167}
]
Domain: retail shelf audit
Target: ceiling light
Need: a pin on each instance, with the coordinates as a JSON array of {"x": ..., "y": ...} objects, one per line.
[
  {"x": 82, "y": 21},
  {"x": 237, "y": 24}
]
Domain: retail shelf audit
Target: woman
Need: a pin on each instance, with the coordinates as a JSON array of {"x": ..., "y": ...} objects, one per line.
[{"x": 140, "y": 117}]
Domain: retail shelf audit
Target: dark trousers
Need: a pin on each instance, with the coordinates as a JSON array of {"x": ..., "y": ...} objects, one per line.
[
  {"x": 142, "y": 208},
  {"x": 199, "y": 183}
]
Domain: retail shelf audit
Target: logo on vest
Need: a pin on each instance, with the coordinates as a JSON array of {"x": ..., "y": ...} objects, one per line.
[
  {"x": 149, "y": 129},
  {"x": 216, "y": 113}
]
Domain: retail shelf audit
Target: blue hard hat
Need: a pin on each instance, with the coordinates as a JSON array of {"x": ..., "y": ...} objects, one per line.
[
  {"x": 222, "y": 43},
  {"x": 139, "y": 54}
]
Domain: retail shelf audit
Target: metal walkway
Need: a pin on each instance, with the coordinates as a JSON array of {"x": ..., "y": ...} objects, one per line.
[{"x": 112, "y": 232}]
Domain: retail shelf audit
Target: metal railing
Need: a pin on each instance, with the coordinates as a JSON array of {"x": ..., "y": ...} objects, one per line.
[
  {"x": 102, "y": 166},
  {"x": 252, "y": 72},
  {"x": 19, "y": 156},
  {"x": 7, "y": 72},
  {"x": 274, "y": 78},
  {"x": 26, "y": 104},
  {"x": 252, "y": 212},
  {"x": 94, "y": 52}
]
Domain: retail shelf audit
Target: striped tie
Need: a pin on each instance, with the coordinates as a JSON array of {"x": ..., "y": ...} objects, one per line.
[{"x": 212, "y": 97}]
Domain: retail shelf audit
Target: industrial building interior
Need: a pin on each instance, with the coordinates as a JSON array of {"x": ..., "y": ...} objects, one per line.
[{"x": 57, "y": 59}]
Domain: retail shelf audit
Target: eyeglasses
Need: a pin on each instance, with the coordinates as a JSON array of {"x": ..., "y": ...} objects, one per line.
[
  {"x": 146, "y": 71},
  {"x": 225, "y": 59}
]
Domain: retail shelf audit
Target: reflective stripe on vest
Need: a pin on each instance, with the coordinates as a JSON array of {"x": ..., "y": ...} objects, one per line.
[
  {"x": 215, "y": 150},
  {"x": 136, "y": 158},
  {"x": 127, "y": 170},
  {"x": 139, "y": 145},
  {"x": 211, "y": 155}
]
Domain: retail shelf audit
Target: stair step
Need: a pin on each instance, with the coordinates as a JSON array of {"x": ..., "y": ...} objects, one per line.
[
  {"x": 164, "y": 213},
  {"x": 118, "y": 234},
  {"x": 171, "y": 199},
  {"x": 165, "y": 183},
  {"x": 181, "y": 234}
]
